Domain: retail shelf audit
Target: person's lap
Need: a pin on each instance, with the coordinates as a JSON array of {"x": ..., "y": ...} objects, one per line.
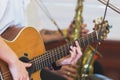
[{"x": 46, "y": 75}]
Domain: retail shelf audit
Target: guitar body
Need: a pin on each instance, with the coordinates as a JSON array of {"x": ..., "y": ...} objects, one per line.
[{"x": 28, "y": 43}]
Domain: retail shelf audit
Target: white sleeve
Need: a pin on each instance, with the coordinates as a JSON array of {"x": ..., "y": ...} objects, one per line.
[
  {"x": 3, "y": 7},
  {"x": 26, "y": 2}
]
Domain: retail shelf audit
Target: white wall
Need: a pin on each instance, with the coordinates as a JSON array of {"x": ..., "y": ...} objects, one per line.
[
  {"x": 94, "y": 9},
  {"x": 63, "y": 12}
]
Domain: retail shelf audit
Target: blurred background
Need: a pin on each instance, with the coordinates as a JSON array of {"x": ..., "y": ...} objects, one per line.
[{"x": 63, "y": 11}]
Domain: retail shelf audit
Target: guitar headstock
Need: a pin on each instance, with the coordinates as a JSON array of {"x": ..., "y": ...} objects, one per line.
[{"x": 102, "y": 28}]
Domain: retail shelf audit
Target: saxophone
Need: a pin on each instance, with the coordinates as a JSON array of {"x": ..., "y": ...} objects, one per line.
[
  {"x": 78, "y": 20},
  {"x": 87, "y": 60}
]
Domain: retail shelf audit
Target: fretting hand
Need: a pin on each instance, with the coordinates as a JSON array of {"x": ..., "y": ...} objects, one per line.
[{"x": 75, "y": 54}]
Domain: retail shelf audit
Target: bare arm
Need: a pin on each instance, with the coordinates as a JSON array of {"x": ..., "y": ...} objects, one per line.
[
  {"x": 17, "y": 68},
  {"x": 6, "y": 52}
]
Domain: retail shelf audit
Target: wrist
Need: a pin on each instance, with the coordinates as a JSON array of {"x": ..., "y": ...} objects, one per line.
[{"x": 13, "y": 62}]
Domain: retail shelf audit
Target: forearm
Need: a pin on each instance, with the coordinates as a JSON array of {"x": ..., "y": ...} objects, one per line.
[{"x": 6, "y": 54}]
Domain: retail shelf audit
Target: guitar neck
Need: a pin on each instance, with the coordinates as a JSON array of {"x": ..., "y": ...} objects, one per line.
[{"x": 53, "y": 55}]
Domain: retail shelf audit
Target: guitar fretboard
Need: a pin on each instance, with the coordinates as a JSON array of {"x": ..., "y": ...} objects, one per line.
[{"x": 53, "y": 55}]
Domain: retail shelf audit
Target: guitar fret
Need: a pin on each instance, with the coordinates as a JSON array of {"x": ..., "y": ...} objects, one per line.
[
  {"x": 62, "y": 51},
  {"x": 41, "y": 61},
  {"x": 55, "y": 55},
  {"x": 44, "y": 59},
  {"x": 50, "y": 56},
  {"x": 66, "y": 49},
  {"x": 47, "y": 59},
  {"x": 58, "y": 52},
  {"x": 35, "y": 63},
  {"x": 52, "y": 59},
  {"x": 45, "y": 62},
  {"x": 59, "y": 49}
]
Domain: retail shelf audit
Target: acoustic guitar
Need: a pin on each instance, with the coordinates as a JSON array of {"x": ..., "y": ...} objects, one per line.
[{"x": 29, "y": 47}]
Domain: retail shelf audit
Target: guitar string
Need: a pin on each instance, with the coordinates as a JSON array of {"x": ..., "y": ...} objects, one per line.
[{"x": 59, "y": 49}]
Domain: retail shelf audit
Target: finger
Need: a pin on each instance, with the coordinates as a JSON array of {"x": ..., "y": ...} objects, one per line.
[
  {"x": 70, "y": 69},
  {"x": 72, "y": 52},
  {"x": 73, "y": 58},
  {"x": 71, "y": 75},
  {"x": 28, "y": 78},
  {"x": 27, "y": 64},
  {"x": 78, "y": 51},
  {"x": 68, "y": 77},
  {"x": 78, "y": 56},
  {"x": 75, "y": 66},
  {"x": 77, "y": 44}
]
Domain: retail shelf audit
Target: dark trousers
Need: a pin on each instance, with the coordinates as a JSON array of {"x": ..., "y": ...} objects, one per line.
[{"x": 46, "y": 75}]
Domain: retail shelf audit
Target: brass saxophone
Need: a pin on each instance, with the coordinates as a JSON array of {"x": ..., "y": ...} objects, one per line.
[
  {"x": 78, "y": 20},
  {"x": 87, "y": 60}
]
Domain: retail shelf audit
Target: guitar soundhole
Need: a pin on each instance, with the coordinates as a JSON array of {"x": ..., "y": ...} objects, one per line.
[{"x": 24, "y": 59}]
